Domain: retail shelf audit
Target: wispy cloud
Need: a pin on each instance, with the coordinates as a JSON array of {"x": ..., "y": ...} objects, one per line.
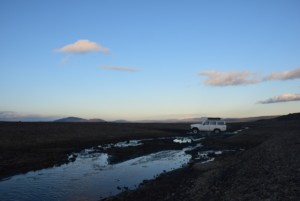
[
  {"x": 119, "y": 68},
  {"x": 286, "y": 75},
  {"x": 281, "y": 98},
  {"x": 65, "y": 60},
  {"x": 218, "y": 78},
  {"x": 83, "y": 46}
]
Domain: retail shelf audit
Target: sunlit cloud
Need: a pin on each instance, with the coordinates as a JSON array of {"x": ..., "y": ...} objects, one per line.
[
  {"x": 119, "y": 68},
  {"x": 83, "y": 46},
  {"x": 218, "y": 78},
  {"x": 286, "y": 75},
  {"x": 281, "y": 98}
]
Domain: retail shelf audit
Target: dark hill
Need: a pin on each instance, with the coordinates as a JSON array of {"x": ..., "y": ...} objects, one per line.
[
  {"x": 289, "y": 117},
  {"x": 95, "y": 120},
  {"x": 71, "y": 119},
  {"x": 77, "y": 119}
]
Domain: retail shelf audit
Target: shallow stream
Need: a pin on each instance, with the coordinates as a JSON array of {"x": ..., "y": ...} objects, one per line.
[{"x": 90, "y": 177}]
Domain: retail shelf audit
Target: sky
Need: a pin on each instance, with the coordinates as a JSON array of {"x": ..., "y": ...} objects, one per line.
[{"x": 140, "y": 59}]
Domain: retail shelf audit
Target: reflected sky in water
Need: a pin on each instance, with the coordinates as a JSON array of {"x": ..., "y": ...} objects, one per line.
[{"x": 89, "y": 177}]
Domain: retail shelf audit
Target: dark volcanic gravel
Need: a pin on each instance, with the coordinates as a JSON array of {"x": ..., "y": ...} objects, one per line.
[{"x": 268, "y": 169}]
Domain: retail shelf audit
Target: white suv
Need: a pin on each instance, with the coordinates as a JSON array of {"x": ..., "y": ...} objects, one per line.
[{"x": 215, "y": 125}]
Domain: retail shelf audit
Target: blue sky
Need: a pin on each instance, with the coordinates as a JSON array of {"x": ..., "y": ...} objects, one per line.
[{"x": 149, "y": 59}]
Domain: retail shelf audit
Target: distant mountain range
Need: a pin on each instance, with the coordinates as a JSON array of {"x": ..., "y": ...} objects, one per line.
[
  {"x": 246, "y": 119},
  {"x": 200, "y": 119},
  {"x": 77, "y": 119},
  {"x": 188, "y": 120},
  {"x": 13, "y": 117}
]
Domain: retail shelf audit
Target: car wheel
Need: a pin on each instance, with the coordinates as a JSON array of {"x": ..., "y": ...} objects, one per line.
[
  {"x": 217, "y": 131},
  {"x": 195, "y": 131}
]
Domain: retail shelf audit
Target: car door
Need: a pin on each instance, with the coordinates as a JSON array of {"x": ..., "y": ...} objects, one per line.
[
  {"x": 206, "y": 126},
  {"x": 212, "y": 125}
]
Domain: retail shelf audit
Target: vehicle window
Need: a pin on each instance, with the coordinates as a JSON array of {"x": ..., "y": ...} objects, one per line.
[
  {"x": 221, "y": 123},
  {"x": 212, "y": 123},
  {"x": 206, "y": 123}
]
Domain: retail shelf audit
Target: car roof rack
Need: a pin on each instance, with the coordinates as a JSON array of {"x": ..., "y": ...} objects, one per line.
[{"x": 213, "y": 118}]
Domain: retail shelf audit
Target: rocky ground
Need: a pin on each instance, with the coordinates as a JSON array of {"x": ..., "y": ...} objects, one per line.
[{"x": 267, "y": 169}]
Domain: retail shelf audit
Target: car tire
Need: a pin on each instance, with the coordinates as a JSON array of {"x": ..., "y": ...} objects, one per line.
[
  {"x": 217, "y": 131},
  {"x": 195, "y": 131}
]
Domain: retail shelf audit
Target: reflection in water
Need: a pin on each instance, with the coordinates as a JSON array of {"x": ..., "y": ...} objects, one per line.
[{"x": 89, "y": 177}]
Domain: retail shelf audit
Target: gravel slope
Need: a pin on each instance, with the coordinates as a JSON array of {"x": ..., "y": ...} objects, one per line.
[{"x": 268, "y": 169}]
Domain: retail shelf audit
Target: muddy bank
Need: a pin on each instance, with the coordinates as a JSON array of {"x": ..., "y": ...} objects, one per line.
[{"x": 268, "y": 168}]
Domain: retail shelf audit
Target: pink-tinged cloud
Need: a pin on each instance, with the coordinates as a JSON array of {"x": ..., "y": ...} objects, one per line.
[
  {"x": 282, "y": 98},
  {"x": 83, "y": 46},
  {"x": 286, "y": 75},
  {"x": 119, "y": 68},
  {"x": 217, "y": 78}
]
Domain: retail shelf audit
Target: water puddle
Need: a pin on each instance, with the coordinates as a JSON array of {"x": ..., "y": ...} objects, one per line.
[
  {"x": 90, "y": 176},
  {"x": 182, "y": 140},
  {"x": 210, "y": 155},
  {"x": 129, "y": 143}
]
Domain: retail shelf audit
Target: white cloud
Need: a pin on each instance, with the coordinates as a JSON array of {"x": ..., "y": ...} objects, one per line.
[
  {"x": 286, "y": 75},
  {"x": 83, "y": 46},
  {"x": 282, "y": 98},
  {"x": 217, "y": 78},
  {"x": 119, "y": 68}
]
